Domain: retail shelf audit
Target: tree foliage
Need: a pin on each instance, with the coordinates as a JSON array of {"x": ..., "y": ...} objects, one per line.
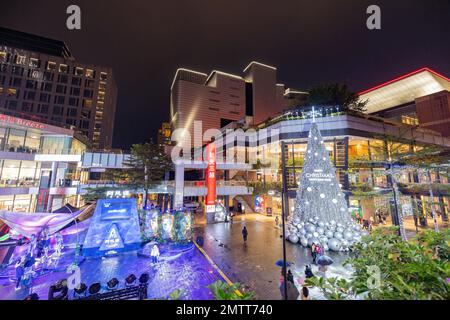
[
  {"x": 146, "y": 166},
  {"x": 223, "y": 291},
  {"x": 336, "y": 94},
  {"x": 409, "y": 270}
]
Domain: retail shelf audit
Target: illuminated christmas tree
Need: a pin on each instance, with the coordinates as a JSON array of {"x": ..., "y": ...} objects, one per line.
[
  {"x": 319, "y": 194},
  {"x": 321, "y": 213}
]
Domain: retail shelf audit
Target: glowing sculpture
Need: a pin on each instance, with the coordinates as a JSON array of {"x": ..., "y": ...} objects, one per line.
[
  {"x": 152, "y": 223},
  {"x": 167, "y": 226},
  {"x": 221, "y": 213},
  {"x": 114, "y": 228},
  {"x": 183, "y": 226}
]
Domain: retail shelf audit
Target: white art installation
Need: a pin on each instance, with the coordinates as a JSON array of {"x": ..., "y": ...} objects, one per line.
[{"x": 321, "y": 214}]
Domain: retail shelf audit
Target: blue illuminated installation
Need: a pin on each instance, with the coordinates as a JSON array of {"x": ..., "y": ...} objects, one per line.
[{"x": 114, "y": 228}]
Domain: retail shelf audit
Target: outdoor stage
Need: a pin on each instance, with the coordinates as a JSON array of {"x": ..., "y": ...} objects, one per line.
[{"x": 189, "y": 271}]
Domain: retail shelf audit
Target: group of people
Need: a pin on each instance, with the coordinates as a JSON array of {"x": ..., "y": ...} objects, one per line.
[
  {"x": 292, "y": 291},
  {"x": 316, "y": 251},
  {"x": 38, "y": 251}
]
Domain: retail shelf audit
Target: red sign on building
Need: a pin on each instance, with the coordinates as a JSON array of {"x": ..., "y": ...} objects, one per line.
[{"x": 211, "y": 178}]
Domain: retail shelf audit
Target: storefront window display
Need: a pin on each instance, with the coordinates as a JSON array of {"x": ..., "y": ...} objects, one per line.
[{"x": 18, "y": 203}]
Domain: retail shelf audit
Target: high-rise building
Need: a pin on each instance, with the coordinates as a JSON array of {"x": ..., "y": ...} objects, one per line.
[
  {"x": 164, "y": 133},
  {"x": 220, "y": 98},
  {"x": 40, "y": 80},
  {"x": 420, "y": 98}
]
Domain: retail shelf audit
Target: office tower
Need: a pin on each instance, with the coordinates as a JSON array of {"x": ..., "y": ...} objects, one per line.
[
  {"x": 218, "y": 98},
  {"x": 41, "y": 80}
]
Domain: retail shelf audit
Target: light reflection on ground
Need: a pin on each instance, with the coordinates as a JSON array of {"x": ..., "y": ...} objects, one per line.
[{"x": 190, "y": 272}]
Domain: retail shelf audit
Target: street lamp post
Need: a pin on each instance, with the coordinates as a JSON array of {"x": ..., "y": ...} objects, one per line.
[{"x": 284, "y": 210}]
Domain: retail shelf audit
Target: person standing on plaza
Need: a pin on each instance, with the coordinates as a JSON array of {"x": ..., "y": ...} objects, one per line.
[
  {"x": 305, "y": 293},
  {"x": 308, "y": 271},
  {"x": 19, "y": 271},
  {"x": 313, "y": 252},
  {"x": 276, "y": 221},
  {"x": 292, "y": 291},
  {"x": 155, "y": 254},
  {"x": 244, "y": 233},
  {"x": 290, "y": 276}
]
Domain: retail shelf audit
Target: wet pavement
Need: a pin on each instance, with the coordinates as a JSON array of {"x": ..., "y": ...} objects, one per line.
[
  {"x": 253, "y": 264},
  {"x": 190, "y": 272}
]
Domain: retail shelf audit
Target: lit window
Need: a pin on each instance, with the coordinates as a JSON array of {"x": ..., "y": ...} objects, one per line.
[
  {"x": 103, "y": 76},
  {"x": 3, "y": 56},
  {"x": 12, "y": 92},
  {"x": 87, "y": 103},
  {"x": 51, "y": 65},
  {"x": 21, "y": 60},
  {"x": 101, "y": 95},
  {"x": 79, "y": 71},
  {"x": 63, "y": 68},
  {"x": 1, "y": 90},
  {"x": 90, "y": 73},
  {"x": 35, "y": 63}
]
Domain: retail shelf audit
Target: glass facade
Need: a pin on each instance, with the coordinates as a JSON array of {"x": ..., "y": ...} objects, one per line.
[
  {"x": 16, "y": 173},
  {"x": 18, "y": 203},
  {"x": 19, "y": 140}
]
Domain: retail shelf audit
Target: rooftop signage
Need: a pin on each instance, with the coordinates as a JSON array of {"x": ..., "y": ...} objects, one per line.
[{"x": 21, "y": 122}]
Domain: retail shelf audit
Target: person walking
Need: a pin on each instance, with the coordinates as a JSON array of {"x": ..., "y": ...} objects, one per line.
[
  {"x": 319, "y": 251},
  {"x": 292, "y": 291},
  {"x": 276, "y": 221},
  {"x": 155, "y": 254},
  {"x": 19, "y": 271},
  {"x": 313, "y": 252},
  {"x": 290, "y": 276},
  {"x": 244, "y": 234},
  {"x": 308, "y": 271}
]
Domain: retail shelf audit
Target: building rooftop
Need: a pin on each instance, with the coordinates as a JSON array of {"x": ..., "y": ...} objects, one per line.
[
  {"x": 31, "y": 42},
  {"x": 404, "y": 89}
]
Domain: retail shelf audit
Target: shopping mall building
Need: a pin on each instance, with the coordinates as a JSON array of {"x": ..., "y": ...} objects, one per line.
[
  {"x": 413, "y": 109},
  {"x": 43, "y": 167}
]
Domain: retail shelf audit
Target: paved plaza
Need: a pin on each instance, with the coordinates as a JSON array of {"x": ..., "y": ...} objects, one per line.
[
  {"x": 253, "y": 264},
  {"x": 189, "y": 272}
]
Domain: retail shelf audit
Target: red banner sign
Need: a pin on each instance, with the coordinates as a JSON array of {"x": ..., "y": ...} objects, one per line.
[
  {"x": 211, "y": 178},
  {"x": 21, "y": 122}
]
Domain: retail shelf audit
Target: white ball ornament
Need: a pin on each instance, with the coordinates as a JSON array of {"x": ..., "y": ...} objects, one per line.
[
  {"x": 304, "y": 241},
  {"x": 348, "y": 235},
  {"x": 293, "y": 238},
  {"x": 338, "y": 235},
  {"x": 334, "y": 244},
  {"x": 310, "y": 228}
]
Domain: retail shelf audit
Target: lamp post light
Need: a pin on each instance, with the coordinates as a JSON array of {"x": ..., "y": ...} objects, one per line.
[{"x": 284, "y": 210}]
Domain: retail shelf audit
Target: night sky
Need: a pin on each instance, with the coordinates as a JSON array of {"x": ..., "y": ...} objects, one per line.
[{"x": 309, "y": 42}]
